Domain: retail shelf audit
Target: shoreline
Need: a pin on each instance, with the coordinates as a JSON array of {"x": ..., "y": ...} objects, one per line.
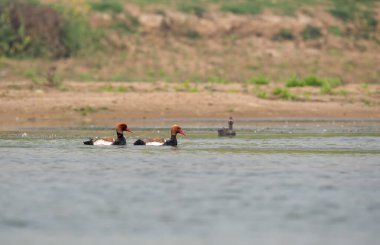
[{"x": 157, "y": 104}]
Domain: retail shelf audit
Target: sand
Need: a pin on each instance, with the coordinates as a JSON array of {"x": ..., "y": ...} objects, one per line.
[{"x": 78, "y": 104}]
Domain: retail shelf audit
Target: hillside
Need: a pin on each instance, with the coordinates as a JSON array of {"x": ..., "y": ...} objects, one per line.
[
  {"x": 200, "y": 42},
  {"x": 202, "y": 59}
]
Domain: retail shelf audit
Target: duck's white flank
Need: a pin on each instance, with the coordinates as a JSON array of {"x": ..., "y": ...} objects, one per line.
[
  {"x": 102, "y": 142},
  {"x": 154, "y": 143}
]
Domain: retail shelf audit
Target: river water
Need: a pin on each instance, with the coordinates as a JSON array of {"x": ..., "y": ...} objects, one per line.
[{"x": 284, "y": 184}]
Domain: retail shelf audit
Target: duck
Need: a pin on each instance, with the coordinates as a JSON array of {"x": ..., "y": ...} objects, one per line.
[
  {"x": 120, "y": 140},
  {"x": 158, "y": 141},
  {"x": 227, "y": 131}
]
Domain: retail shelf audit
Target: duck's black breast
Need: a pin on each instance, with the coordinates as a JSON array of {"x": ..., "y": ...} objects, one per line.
[
  {"x": 172, "y": 141},
  {"x": 120, "y": 141}
]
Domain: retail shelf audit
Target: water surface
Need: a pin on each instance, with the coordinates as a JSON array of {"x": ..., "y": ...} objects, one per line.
[{"x": 277, "y": 185}]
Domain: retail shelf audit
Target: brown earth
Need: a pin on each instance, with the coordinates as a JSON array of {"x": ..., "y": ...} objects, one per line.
[
  {"x": 25, "y": 105},
  {"x": 169, "y": 45}
]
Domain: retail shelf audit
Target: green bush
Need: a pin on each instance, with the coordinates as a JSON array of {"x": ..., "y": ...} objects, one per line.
[
  {"x": 335, "y": 30},
  {"x": 52, "y": 32},
  {"x": 130, "y": 25},
  {"x": 283, "y": 93},
  {"x": 193, "y": 8},
  {"x": 295, "y": 82},
  {"x": 313, "y": 81},
  {"x": 283, "y": 34},
  {"x": 13, "y": 39},
  {"x": 217, "y": 79},
  {"x": 324, "y": 83},
  {"x": 77, "y": 36},
  {"x": 193, "y": 34},
  {"x": 311, "y": 32},
  {"x": 260, "y": 80},
  {"x": 361, "y": 13},
  {"x": 112, "y": 6},
  {"x": 242, "y": 8},
  {"x": 261, "y": 94},
  {"x": 186, "y": 86}
]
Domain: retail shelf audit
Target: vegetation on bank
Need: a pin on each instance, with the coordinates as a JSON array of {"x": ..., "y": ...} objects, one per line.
[
  {"x": 65, "y": 29},
  {"x": 30, "y": 29}
]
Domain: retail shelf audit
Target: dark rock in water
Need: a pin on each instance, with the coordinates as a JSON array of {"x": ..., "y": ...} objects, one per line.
[{"x": 227, "y": 131}]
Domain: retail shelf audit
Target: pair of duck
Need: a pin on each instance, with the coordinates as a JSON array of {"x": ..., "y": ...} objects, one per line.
[{"x": 120, "y": 140}]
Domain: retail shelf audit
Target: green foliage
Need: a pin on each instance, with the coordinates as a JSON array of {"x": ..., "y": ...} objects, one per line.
[
  {"x": 54, "y": 31},
  {"x": 260, "y": 80},
  {"x": 324, "y": 83},
  {"x": 112, "y": 6},
  {"x": 13, "y": 40},
  {"x": 311, "y": 32},
  {"x": 186, "y": 86},
  {"x": 326, "y": 88},
  {"x": 283, "y": 93},
  {"x": 192, "y": 34},
  {"x": 343, "y": 13},
  {"x": 283, "y": 34},
  {"x": 216, "y": 79},
  {"x": 77, "y": 36},
  {"x": 313, "y": 81},
  {"x": 295, "y": 82},
  {"x": 117, "y": 89},
  {"x": 130, "y": 25},
  {"x": 193, "y": 8},
  {"x": 361, "y": 13},
  {"x": 321, "y": 82},
  {"x": 33, "y": 76},
  {"x": 55, "y": 80},
  {"x": 242, "y": 8},
  {"x": 342, "y": 92},
  {"x": 335, "y": 30},
  {"x": 261, "y": 94}
]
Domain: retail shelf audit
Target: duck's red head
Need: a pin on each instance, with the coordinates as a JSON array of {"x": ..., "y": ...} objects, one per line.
[
  {"x": 121, "y": 127},
  {"x": 177, "y": 130}
]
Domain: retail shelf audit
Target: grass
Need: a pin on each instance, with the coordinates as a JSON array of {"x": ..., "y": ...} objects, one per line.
[
  {"x": 112, "y": 6},
  {"x": 335, "y": 30},
  {"x": 326, "y": 84},
  {"x": 129, "y": 25},
  {"x": 284, "y": 94},
  {"x": 261, "y": 94},
  {"x": 242, "y": 8},
  {"x": 361, "y": 13},
  {"x": 253, "y": 7},
  {"x": 217, "y": 80},
  {"x": 186, "y": 86},
  {"x": 51, "y": 79},
  {"x": 197, "y": 9},
  {"x": 295, "y": 82},
  {"x": 283, "y": 34},
  {"x": 342, "y": 92},
  {"x": 193, "y": 35},
  {"x": 260, "y": 80},
  {"x": 313, "y": 81},
  {"x": 117, "y": 89},
  {"x": 311, "y": 32},
  {"x": 84, "y": 111}
]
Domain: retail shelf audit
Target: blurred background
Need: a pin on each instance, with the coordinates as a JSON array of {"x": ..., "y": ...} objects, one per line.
[{"x": 218, "y": 41}]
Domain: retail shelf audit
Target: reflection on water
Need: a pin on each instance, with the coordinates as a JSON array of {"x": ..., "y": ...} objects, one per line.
[{"x": 268, "y": 188}]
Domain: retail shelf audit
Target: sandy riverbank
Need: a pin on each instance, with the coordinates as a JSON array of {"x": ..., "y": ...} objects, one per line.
[{"x": 81, "y": 104}]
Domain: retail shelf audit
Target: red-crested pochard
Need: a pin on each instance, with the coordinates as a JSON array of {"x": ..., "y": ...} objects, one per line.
[
  {"x": 161, "y": 141},
  {"x": 120, "y": 140}
]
